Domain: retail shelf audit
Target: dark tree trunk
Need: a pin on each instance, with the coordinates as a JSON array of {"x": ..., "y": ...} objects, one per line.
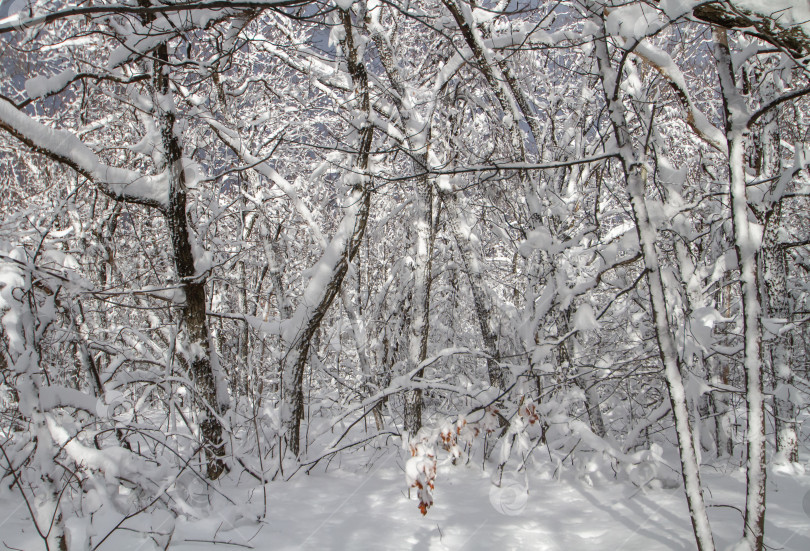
[
  {"x": 193, "y": 310},
  {"x": 345, "y": 244}
]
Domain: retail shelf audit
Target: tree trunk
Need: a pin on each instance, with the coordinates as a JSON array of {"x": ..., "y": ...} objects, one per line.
[
  {"x": 720, "y": 373},
  {"x": 419, "y": 327},
  {"x": 193, "y": 311},
  {"x": 417, "y": 132},
  {"x": 747, "y": 245},
  {"x": 333, "y": 265},
  {"x": 481, "y": 299},
  {"x": 777, "y": 348},
  {"x": 776, "y": 356},
  {"x": 636, "y": 177}
]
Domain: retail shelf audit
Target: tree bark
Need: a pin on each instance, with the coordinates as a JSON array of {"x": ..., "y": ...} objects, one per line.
[
  {"x": 419, "y": 327},
  {"x": 417, "y": 132},
  {"x": 765, "y": 26},
  {"x": 635, "y": 173},
  {"x": 776, "y": 301},
  {"x": 336, "y": 258},
  {"x": 747, "y": 245},
  {"x": 193, "y": 311}
]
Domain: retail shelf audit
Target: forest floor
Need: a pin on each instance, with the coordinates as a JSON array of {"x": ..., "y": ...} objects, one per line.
[{"x": 357, "y": 506}]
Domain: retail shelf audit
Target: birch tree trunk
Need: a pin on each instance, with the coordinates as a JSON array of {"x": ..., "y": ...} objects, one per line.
[
  {"x": 635, "y": 172},
  {"x": 772, "y": 274},
  {"x": 417, "y": 132},
  {"x": 419, "y": 327},
  {"x": 720, "y": 371},
  {"x": 747, "y": 243},
  {"x": 776, "y": 357},
  {"x": 777, "y": 354}
]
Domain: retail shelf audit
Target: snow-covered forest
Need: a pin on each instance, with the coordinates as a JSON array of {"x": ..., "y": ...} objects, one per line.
[{"x": 387, "y": 274}]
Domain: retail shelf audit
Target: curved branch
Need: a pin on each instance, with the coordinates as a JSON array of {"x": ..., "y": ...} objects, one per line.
[
  {"x": 792, "y": 39},
  {"x": 15, "y": 22},
  {"x": 65, "y": 148}
]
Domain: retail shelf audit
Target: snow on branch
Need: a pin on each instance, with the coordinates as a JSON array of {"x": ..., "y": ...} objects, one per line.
[
  {"x": 64, "y": 147},
  {"x": 695, "y": 118},
  {"x": 782, "y": 23},
  {"x": 20, "y": 20}
]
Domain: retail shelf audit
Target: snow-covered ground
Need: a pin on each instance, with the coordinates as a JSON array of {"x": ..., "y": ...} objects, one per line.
[{"x": 352, "y": 507}]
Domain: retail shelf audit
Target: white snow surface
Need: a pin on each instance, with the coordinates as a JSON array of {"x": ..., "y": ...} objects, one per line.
[{"x": 361, "y": 506}]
